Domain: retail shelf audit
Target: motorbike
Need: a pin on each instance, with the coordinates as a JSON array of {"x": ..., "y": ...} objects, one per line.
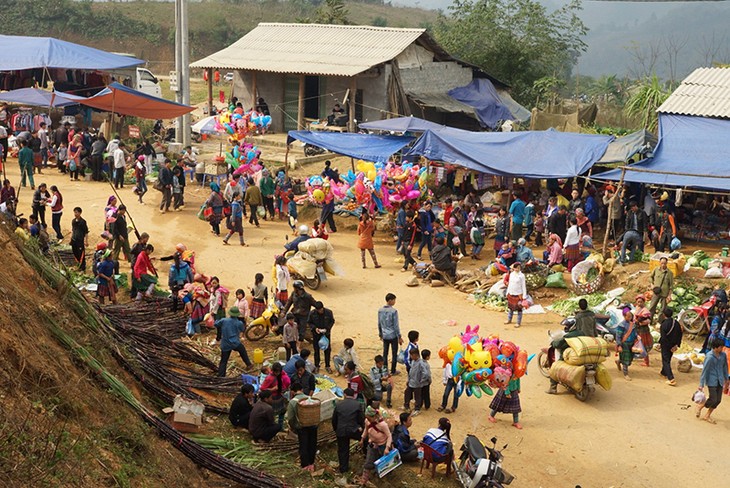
[
  {"x": 312, "y": 150},
  {"x": 547, "y": 356},
  {"x": 481, "y": 467},
  {"x": 696, "y": 320},
  {"x": 311, "y": 282},
  {"x": 260, "y": 327},
  {"x": 602, "y": 329}
]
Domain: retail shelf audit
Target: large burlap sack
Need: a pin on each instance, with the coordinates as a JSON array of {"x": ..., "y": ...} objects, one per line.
[
  {"x": 590, "y": 349},
  {"x": 572, "y": 376},
  {"x": 571, "y": 357},
  {"x": 603, "y": 378},
  {"x": 316, "y": 247}
]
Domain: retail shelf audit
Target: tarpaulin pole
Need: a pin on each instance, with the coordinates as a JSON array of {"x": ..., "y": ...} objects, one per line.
[
  {"x": 606, "y": 254},
  {"x": 210, "y": 90}
]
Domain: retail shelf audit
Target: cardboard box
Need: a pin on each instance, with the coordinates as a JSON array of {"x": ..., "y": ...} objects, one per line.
[
  {"x": 181, "y": 426},
  {"x": 328, "y": 400},
  {"x": 676, "y": 266},
  {"x": 186, "y": 418}
]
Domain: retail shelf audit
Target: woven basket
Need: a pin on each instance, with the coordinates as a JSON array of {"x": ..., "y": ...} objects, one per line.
[
  {"x": 308, "y": 414},
  {"x": 592, "y": 286},
  {"x": 536, "y": 275}
]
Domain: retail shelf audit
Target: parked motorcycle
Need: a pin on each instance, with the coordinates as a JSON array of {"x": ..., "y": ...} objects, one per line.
[
  {"x": 548, "y": 355},
  {"x": 479, "y": 467},
  {"x": 312, "y": 150},
  {"x": 696, "y": 320},
  {"x": 269, "y": 320}
]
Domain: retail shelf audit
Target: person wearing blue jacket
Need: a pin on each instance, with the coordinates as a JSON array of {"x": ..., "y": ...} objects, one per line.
[
  {"x": 180, "y": 274},
  {"x": 715, "y": 377},
  {"x": 425, "y": 224}
]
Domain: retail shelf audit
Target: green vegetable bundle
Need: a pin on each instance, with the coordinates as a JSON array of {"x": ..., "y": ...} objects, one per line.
[{"x": 570, "y": 305}]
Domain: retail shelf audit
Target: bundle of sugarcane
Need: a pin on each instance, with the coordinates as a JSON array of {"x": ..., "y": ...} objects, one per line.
[{"x": 291, "y": 445}]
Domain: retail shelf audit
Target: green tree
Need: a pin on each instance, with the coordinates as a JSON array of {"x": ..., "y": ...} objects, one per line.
[
  {"x": 332, "y": 12},
  {"x": 647, "y": 96},
  {"x": 379, "y": 22},
  {"x": 516, "y": 41}
]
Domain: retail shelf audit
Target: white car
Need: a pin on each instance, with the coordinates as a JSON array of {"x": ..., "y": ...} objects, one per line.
[{"x": 228, "y": 76}]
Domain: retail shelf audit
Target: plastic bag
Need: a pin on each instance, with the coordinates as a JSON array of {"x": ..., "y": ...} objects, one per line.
[
  {"x": 402, "y": 356},
  {"x": 713, "y": 273},
  {"x": 555, "y": 280},
  {"x": 675, "y": 244},
  {"x": 638, "y": 348},
  {"x": 189, "y": 328},
  {"x": 261, "y": 211},
  {"x": 699, "y": 397},
  {"x": 201, "y": 212},
  {"x": 324, "y": 343},
  {"x": 71, "y": 165}
]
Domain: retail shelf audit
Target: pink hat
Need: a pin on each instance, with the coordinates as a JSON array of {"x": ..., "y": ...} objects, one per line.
[{"x": 140, "y": 158}]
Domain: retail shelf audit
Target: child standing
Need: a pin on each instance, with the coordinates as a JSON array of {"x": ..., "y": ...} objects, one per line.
[
  {"x": 426, "y": 388},
  {"x": 235, "y": 222},
  {"x": 290, "y": 336},
  {"x": 242, "y": 304},
  {"x": 412, "y": 344},
  {"x": 260, "y": 296},
  {"x": 62, "y": 155},
  {"x": 106, "y": 286},
  {"x": 477, "y": 236},
  {"x": 450, "y": 385},
  {"x": 365, "y": 231},
  {"x": 418, "y": 377},
  {"x": 291, "y": 210},
  {"x": 507, "y": 401},
  {"x": 539, "y": 229}
]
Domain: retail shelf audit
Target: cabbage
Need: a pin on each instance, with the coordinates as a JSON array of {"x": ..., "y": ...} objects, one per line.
[
  {"x": 693, "y": 261},
  {"x": 705, "y": 263},
  {"x": 679, "y": 291}
]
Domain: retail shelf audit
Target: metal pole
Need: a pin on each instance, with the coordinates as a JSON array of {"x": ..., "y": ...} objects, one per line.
[
  {"x": 210, "y": 90},
  {"x": 185, "y": 70},
  {"x": 178, "y": 63}
]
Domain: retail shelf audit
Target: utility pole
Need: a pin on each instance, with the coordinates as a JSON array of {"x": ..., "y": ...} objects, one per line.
[{"x": 182, "y": 67}]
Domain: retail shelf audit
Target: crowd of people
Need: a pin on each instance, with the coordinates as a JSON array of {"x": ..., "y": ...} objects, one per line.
[{"x": 565, "y": 224}]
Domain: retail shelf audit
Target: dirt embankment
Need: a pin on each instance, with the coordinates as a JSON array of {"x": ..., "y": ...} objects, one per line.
[{"x": 59, "y": 425}]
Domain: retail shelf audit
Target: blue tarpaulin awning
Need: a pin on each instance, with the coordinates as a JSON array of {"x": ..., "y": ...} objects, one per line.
[
  {"x": 532, "y": 154},
  {"x": 402, "y": 124},
  {"x": 24, "y": 52},
  {"x": 36, "y": 98},
  {"x": 482, "y": 96},
  {"x": 367, "y": 147},
  {"x": 693, "y": 147}
]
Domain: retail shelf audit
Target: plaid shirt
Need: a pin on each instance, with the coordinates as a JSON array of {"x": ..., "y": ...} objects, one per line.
[{"x": 377, "y": 375}]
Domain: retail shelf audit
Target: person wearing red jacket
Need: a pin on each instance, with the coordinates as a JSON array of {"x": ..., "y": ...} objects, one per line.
[{"x": 144, "y": 274}]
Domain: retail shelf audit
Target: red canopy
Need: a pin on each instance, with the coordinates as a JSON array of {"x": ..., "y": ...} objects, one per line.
[{"x": 126, "y": 101}]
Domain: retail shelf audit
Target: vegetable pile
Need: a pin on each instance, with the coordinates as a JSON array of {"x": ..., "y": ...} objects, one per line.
[
  {"x": 495, "y": 303},
  {"x": 570, "y": 305},
  {"x": 685, "y": 295}
]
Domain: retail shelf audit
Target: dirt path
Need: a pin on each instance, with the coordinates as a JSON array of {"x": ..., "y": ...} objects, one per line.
[{"x": 636, "y": 435}]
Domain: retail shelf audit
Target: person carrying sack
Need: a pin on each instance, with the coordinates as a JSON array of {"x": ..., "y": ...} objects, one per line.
[{"x": 662, "y": 281}]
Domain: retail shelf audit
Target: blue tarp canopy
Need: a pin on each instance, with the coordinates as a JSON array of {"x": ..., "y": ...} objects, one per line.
[
  {"x": 23, "y": 52},
  {"x": 534, "y": 154},
  {"x": 367, "y": 147},
  {"x": 490, "y": 108},
  {"x": 693, "y": 146},
  {"x": 623, "y": 148},
  {"x": 402, "y": 124},
  {"x": 36, "y": 97}
]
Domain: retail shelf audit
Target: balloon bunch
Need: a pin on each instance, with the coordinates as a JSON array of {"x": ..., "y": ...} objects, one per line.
[
  {"x": 480, "y": 364},
  {"x": 244, "y": 159},
  {"x": 373, "y": 185},
  {"x": 238, "y": 124}
]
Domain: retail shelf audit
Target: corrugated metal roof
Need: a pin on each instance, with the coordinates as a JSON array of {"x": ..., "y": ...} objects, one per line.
[
  {"x": 337, "y": 50},
  {"x": 704, "y": 93}
]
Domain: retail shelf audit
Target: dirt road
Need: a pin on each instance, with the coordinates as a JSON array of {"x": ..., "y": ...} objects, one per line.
[{"x": 637, "y": 435}]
